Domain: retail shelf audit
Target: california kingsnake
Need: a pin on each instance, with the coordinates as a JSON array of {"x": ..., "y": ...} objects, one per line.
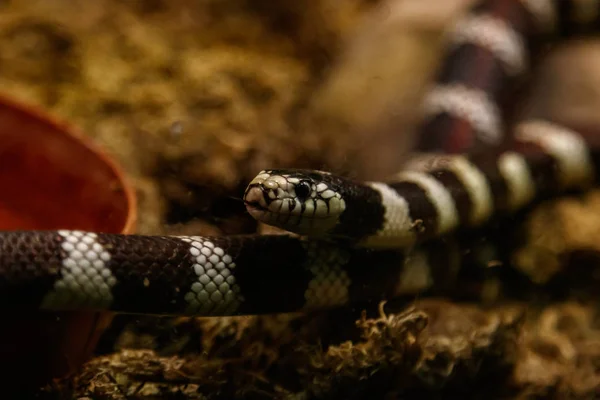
[{"x": 435, "y": 195}]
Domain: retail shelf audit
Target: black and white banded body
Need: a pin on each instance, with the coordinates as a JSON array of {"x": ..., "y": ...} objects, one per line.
[
  {"x": 204, "y": 276},
  {"x": 435, "y": 195},
  {"x": 479, "y": 175},
  {"x": 489, "y": 49},
  {"x": 465, "y": 169}
]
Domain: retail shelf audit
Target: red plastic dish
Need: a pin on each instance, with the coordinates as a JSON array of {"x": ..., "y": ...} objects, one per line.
[{"x": 52, "y": 177}]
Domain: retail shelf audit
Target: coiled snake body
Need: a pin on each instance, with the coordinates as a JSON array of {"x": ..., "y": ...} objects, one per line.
[{"x": 464, "y": 173}]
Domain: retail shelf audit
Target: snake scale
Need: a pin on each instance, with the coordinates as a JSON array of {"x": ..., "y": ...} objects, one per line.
[{"x": 360, "y": 241}]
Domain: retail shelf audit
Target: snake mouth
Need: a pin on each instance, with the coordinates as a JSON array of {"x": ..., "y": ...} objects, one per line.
[
  {"x": 255, "y": 206},
  {"x": 254, "y": 198},
  {"x": 259, "y": 212}
]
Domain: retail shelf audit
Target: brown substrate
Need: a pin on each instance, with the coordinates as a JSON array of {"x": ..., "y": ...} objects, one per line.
[{"x": 195, "y": 97}]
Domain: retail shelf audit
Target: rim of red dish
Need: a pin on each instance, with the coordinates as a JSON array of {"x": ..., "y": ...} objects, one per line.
[{"x": 73, "y": 133}]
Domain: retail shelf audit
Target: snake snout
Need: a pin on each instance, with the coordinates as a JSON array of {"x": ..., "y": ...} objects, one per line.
[
  {"x": 255, "y": 197},
  {"x": 264, "y": 198}
]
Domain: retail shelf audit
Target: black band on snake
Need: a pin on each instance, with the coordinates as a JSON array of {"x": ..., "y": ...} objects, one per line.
[{"x": 480, "y": 175}]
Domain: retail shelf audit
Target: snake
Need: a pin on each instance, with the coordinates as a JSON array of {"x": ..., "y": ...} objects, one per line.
[{"x": 350, "y": 241}]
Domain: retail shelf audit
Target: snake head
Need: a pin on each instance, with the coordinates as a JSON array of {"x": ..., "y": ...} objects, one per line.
[{"x": 301, "y": 201}]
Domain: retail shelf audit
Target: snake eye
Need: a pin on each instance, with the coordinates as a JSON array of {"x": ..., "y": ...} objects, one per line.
[{"x": 303, "y": 190}]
